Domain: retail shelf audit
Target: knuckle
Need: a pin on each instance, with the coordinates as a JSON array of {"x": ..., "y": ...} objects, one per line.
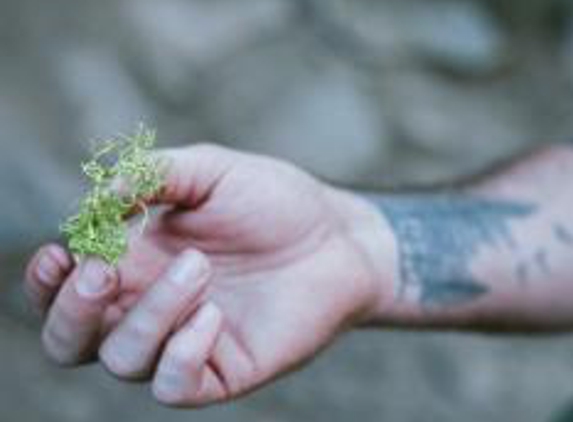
[
  {"x": 179, "y": 398},
  {"x": 170, "y": 397},
  {"x": 236, "y": 385},
  {"x": 128, "y": 352},
  {"x": 125, "y": 358},
  {"x": 29, "y": 273},
  {"x": 208, "y": 152},
  {"x": 116, "y": 362},
  {"x": 58, "y": 256},
  {"x": 67, "y": 313},
  {"x": 182, "y": 363},
  {"x": 56, "y": 349},
  {"x": 204, "y": 147},
  {"x": 179, "y": 357},
  {"x": 144, "y": 327},
  {"x": 33, "y": 298}
]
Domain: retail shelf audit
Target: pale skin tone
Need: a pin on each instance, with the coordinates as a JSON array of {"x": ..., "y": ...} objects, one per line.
[{"x": 250, "y": 267}]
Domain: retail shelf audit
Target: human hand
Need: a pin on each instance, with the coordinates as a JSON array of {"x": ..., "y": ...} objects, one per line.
[{"x": 248, "y": 268}]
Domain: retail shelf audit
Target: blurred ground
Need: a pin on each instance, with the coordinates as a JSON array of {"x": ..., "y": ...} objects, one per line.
[{"x": 359, "y": 92}]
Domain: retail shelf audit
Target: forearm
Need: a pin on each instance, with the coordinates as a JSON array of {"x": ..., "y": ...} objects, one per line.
[{"x": 493, "y": 255}]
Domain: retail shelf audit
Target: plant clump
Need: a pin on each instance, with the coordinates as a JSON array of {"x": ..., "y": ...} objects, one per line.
[{"x": 122, "y": 173}]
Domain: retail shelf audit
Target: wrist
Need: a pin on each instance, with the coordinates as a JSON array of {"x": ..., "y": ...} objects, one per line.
[{"x": 370, "y": 236}]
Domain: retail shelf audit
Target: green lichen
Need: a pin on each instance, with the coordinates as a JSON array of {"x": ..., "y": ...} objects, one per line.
[{"x": 122, "y": 173}]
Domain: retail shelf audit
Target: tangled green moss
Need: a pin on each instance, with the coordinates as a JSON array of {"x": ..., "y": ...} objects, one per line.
[{"x": 122, "y": 173}]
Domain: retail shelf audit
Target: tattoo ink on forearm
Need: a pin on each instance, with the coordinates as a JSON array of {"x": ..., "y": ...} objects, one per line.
[{"x": 439, "y": 236}]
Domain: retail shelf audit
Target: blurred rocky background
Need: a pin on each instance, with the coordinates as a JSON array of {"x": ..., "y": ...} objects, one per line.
[{"x": 360, "y": 92}]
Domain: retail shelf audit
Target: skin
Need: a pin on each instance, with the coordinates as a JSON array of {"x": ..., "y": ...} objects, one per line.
[
  {"x": 249, "y": 267},
  {"x": 210, "y": 301}
]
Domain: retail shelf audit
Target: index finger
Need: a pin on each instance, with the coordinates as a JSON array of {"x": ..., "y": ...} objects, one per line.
[{"x": 74, "y": 326}]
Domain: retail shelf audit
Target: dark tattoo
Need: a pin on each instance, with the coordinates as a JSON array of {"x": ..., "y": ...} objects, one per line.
[
  {"x": 438, "y": 236},
  {"x": 563, "y": 235}
]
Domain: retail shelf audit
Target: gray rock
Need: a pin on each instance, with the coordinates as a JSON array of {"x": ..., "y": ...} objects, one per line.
[
  {"x": 439, "y": 121},
  {"x": 327, "y": 124},
  {"x": 169, "y": 41},
  {"x": 399, "y": 376},
  {"x": 34, "y": 181},
  {"x": 106, "y": 98},
  {"x": 567, "y": 50},
  {"x": 459, "y": 35},
  {"x": 284, "y": 101}
]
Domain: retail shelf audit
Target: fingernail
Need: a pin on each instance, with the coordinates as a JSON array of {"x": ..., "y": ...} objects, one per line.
[
  {"x": 47, "y": 271},
  {"x": 189, "y": 267},
  {"x": 93, "y": 279}
]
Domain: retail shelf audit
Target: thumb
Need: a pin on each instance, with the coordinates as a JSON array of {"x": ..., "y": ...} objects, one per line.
[{"x": 192, "y": 174}]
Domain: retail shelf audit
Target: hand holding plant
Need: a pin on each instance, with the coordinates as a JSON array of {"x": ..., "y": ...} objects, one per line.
[{"x": 247, "y": 269}]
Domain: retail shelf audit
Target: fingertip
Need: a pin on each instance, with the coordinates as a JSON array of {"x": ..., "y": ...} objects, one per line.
[
  {"x": 60, "y": 255},
  {"x": 45, "y": 274},
  {"x": 50, "y": 266},
  {"x": 119, "y": 363},
  {"x": 179, "y": 391},
  {"x": 186, "y": 354},
  {"x": 191, "y": 266},
  {"x": 166, "y": 395},
  {"x": 95, "y": 280},
  {"x": 208, "y": 319},
  {"x": 57, "y": 354}
]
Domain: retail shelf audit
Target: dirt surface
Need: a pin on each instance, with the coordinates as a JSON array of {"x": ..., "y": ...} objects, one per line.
[{"x": 367, "y": 377}]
